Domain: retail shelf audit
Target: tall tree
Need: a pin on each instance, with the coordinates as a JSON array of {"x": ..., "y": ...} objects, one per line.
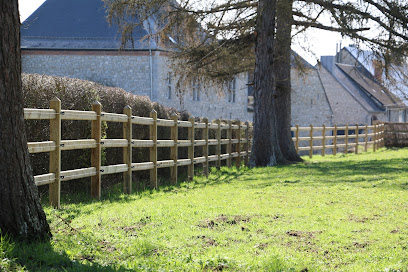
[
  {"x": 215, "y": 40},
  {"x": 266, "y": 140},
  {"x": 21, "y": 214}
]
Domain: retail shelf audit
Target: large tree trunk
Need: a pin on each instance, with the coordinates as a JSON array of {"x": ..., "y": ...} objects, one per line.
[
  {"x": 272, "y": 143},
  {"x": 284, "y": 21},
  {"x": 21, "y": 214},
  {"x": 265, "y": 147}
]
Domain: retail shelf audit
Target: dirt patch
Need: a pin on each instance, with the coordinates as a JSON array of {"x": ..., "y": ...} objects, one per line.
[
  {"x": 106, "y": 246},
  {"x": 223, "y": 220},
  {"x": 138, "y": 226},
  {"x": 303, "y": 234},
  {"x": 207, "y": 224},
  {"x": 208, "y": 241},
  {"x": 357, "y": 219},
  {"x": 303, "y": 240},
  {"x": 359, "y": 245},
  {"x": 262, "y": 246}
]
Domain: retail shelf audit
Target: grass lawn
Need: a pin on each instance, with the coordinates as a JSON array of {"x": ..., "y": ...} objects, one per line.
[{"x": 342, "y": 213}]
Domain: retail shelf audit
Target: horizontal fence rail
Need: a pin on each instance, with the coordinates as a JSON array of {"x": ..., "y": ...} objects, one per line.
[
  {"x": 346, "y": 138},
  {"x": 237, "y": 147}
]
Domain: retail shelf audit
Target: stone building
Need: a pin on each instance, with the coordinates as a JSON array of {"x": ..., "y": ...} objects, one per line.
[
  {"x": 71, "y": 38},
  {"x": 355, "y": 96}
]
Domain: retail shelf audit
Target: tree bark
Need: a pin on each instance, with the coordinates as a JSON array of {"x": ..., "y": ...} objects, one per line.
[
  {"x": 282, "y": 106},
  {"x": 265, "y": 147},
  {"x": 21, "y": 214}
]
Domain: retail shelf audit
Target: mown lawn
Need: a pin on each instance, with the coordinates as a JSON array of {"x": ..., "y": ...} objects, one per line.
[{"x": 343, "y": 213}]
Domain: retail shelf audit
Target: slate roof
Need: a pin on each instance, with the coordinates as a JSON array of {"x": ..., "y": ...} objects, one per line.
[
  {"x": 349, "y": 85},
  {"x": 76, "y": 24},
  {"x": 397, "y": 85},
  {"x": 372, "y": 96},
  {"x": 371, "y": 87}
]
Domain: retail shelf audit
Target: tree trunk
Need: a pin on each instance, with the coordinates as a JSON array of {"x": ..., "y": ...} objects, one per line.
[
  {"x": 265, "y": 147},
  {"x": 284, "y": 21},
  {"x": 21, "y": 214}
]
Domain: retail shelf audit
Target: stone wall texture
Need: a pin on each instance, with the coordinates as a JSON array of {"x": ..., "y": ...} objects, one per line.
[
  {"x": 309, "y": 102},
  {"x": 131, "y": 73}
]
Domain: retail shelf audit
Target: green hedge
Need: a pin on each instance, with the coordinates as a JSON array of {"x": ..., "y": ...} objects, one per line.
[{"x": 78, "y": 94}]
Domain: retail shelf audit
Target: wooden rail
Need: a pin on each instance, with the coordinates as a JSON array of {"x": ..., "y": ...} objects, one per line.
[
  {"x": 55, "y": 145},
  {"x": 351, "y": 138}
]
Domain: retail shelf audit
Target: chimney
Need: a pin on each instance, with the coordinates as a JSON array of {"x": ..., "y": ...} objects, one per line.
[{"x": 378, "y": 70}]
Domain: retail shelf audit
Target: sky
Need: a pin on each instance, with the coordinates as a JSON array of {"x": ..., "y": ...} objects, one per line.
[{"x": 320, "y": 43}]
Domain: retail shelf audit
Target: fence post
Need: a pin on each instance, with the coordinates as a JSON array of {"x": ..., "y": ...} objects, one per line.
[
  {"x": 153, "y": 150},
  {"x": 127, "y": 151},
  {"x": 246, "y": 145},
  {"x": 366, "y": 138},
  {"x": 218, "y": 148},
  {"x": 346, "y": 132},
  {"x": 335, "y": 140},
  {"x": 311, "y": 142},
  {"x": 357, "y": 133},
  {"x": 375, "y": 138},
  {"x": 96, "y": 153},
  {"x": 238, "y": 146},
  {"x": 205, "y": 147},
  {"x": 229, "y": 145},
  {"x": 383, "y": 135},
  {"x": 191, "y": 148},
  {"x": 55, "y": 156},
  {"x": 297, "y": 139},
  {"x": 324, "y": 140},
  {"x": 174, "y": 149}
]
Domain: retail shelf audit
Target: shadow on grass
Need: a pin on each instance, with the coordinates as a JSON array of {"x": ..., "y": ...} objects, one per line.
[
  {"x": 115, "y": 193},
  {"x": 40, "y": 256},
  {"x": 335, "y": 172}
]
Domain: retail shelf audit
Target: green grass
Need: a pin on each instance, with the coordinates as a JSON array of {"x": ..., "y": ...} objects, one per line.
[{"x": 343, "y": 213}]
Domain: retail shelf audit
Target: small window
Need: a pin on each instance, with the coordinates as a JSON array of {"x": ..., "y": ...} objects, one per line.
[
  {"x": 196, "y": 91},
  {"x": 250, "y": 83},
  {"x": 169, "y": 87},
  {"x": 231, "y": 91}
]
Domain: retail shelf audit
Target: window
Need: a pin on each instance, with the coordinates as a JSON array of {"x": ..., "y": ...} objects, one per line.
[
  {"x": 388, "y": 115},
  {"x": 169, "y": 89},
  {"x": 250, "y": 84},
  {"x": 196, "y": 91},
  {"x": 231, "y": 91}
]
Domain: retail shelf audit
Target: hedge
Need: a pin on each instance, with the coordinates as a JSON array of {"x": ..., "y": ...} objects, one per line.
[{"x": 79, "y": 94}]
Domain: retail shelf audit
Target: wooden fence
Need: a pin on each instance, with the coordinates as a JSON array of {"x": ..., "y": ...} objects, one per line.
[
  {"x": 55, "y": 145},
  {"x": 237, "y": 142},
  {"x": 346, "y": 138},
  {"x": 396, "y": 134}
]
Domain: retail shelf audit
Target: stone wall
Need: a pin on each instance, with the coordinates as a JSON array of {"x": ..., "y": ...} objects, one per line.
[
  {"x": 346, "y": 109},
  {"x": 115, "y": 69},
  {"x": 213, "y": 101},
  {"x": 309, "y": 102}
]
